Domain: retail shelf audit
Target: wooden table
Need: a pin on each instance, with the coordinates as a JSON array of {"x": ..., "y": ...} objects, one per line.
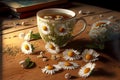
[{"x": 107, "y": 68}]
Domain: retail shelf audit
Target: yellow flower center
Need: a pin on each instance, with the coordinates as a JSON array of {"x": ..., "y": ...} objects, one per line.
[
  {"x": 99, "y": 24},
  {"x": 88, "y": 56},
  {"x": 26, "y": 47},
  {"x": 51, "y": 47},
  {"x": 67, "y": 64},
  {"x": 50, "y": 67},
  {"x": 71, "y": 53},
  {"x": 86, "y": 70},
  {"x": 45, "y": 28},
  {"x": 61, "y": 29}
]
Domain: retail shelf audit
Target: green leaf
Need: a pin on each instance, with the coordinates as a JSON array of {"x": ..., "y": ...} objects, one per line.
[
  {"x": 28, "y": 63},
  {"x": 32, "y": 47},
  {"x": 32, "y": 64},
  {"x": 27, "y": 59},
  {"x": 35, "y": 36}
]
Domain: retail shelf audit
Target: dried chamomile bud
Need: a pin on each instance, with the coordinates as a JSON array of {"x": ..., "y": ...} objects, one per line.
[{"x": 68, "y": 76}]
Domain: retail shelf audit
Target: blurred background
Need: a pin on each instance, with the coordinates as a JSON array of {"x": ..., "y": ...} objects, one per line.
[{"x": 109, "y": 4}]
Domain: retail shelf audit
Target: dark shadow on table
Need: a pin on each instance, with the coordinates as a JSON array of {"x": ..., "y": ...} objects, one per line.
[
  {"x": 103, "y": 59},
  {"x": 109, "y": 4},
  {"x": 101, "y": 72},
  {"x": 112, "y": 48},
  {"x": 77, "y": 44},
  {"x": 0, "y": 50}
]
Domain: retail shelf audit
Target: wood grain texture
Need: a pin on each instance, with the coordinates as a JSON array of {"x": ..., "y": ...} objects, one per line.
[{"x": 107, "y": 67}]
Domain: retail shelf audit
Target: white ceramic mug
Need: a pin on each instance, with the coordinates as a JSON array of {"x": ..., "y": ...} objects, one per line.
[{"x": 59, "y": 31}]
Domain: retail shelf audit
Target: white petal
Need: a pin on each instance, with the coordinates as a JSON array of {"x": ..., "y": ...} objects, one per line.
[
  {"x": 23, "y": 48},
  {"x": 43, "y": 70},
  {"x": 75, "y": 57},
  {"x": 51, "y": 50},
  {"x": 28, "y": 36}
]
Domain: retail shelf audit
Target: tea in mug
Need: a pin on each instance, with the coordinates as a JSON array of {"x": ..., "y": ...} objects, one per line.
[
  {"x": 57, "y": 25},
  {"x": 57, "y": 16}
]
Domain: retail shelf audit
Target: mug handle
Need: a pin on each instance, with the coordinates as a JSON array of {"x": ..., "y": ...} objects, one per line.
[{"x": 83, "y": 28}]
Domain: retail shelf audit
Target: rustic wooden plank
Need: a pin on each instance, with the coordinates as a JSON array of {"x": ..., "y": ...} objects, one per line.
[
  {"x": 13, "y": 71},
  {"x": 9, "y": 25},
  {"x": 16, "y": 24}
]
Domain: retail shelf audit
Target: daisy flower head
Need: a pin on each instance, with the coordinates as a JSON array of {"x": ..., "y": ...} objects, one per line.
[
  {"x": 44, "y": 28},
  {"x": 61, "y": 30},
  {"x": 52, "y": 48},
  {"x": 86, "y": 70},
  {"x": 70, "y": 54},
  {"x": 28, "y": 36},
  {"x": 68, "y": 65},
  {"x": 51, "y": 69},
  {"x": 26, "y": 48},
  {"x": 98, "y": 31},
  {"x": 89, "y": 55}
]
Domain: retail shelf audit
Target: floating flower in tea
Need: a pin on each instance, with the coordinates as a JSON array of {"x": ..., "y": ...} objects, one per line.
[
  {"x": 59, "y": 17},
  {"x": 47, "y": 17}
]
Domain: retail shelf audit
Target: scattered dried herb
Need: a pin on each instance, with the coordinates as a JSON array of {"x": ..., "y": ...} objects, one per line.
[{"x": 11, "y": 50}]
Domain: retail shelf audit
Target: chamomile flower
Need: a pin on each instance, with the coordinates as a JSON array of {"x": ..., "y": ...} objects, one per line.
[
  {"x": 47, "y": 17},
  {"x": 44, "y": 28},
  {"x": 89, "y": 55},
  {"x": 52, "y": 48},
  {"x": 51, "y": 69},
  {"x": 61, "y": 30},
  {"x": 86, "y": 70},
  {"x": 59, "y": 17},
  {"x": 70, "y": 54},
  {"x": 98, "y": 31},
  {"x": 26, "y": 48},
  {"x": 28, "y": 36},
  {"x": 101, "y": 23},
  {"x": 68, "y": 65}
]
